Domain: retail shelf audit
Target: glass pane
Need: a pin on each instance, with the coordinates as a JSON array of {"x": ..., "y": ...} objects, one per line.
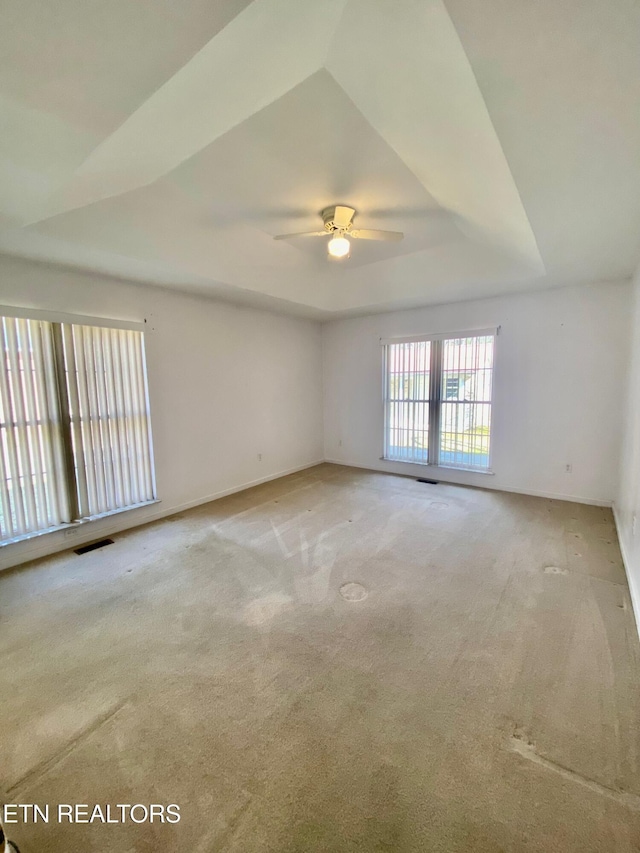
[{"x": 465, "y": 417}]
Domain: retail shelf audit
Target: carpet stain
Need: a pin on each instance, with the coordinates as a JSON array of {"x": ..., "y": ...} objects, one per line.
[
  {"x": 353, "y": 591},
  {"x": 265, "y": 609},
  {"x": 555, "y": 570}
]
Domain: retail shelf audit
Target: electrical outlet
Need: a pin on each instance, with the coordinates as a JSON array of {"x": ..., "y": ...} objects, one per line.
[
  {"x": 340, "y": 443},
  {"x": 71, "y": 531},
  {"x": 568, "y": 468},
  {"x": 259, "y": 457}
]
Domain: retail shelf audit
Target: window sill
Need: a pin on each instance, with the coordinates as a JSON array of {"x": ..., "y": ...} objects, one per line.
[
  {"x": 440, "y": 467},
  {"x": 467, "y": 470},
  {"x": 71, "y": 527}
]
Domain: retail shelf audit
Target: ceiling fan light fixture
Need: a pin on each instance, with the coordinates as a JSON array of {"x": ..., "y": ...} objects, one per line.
[{"x": 339, "y": 247}]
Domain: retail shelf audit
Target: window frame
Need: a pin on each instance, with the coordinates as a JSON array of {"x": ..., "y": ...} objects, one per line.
[
  {"x": 58, "y": 320},
  {"x": 436, "y": 399}
]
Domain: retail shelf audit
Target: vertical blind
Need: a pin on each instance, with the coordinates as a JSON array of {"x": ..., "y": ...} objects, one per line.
[
  {"x": 438, "y": 396},
  {"x": 109, "y": 417},
  {"x": 74, "y": 424},
  {"x": 32, "y": 489}
]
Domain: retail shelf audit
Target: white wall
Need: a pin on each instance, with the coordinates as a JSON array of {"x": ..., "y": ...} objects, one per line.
[
  {"x": 558, "y": 394},
  {"x": 627, "y": 503},
  {"x": 228, "y": 383},
  {"x": 225, "y": 384}
]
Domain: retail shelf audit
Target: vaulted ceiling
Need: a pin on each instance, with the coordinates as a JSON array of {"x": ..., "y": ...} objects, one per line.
[{"x": 170, "y": 140}]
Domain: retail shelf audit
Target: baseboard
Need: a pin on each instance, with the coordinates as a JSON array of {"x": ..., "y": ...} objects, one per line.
[
  {"x": 634, "y": 592},
  {"x": 436, "y": 473},
  {"x": 555, "y": 496},
  {"x": 45, "y": 544},
  {"x": 232, "y": 491}
]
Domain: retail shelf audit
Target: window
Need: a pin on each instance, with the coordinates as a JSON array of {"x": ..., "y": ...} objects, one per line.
[
  {"x": 438, "y": 400},
  {"x": 75, "y": 436}
]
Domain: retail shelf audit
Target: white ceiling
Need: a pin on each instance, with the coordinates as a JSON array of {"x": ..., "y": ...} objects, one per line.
[{"x": 169, "y": 141}]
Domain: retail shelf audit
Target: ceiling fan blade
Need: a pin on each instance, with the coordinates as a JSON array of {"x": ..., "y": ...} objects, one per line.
[
  {"x": 368, "y": 234},
  {"x": 342, "y": 216},
  {"x": 302, "y": 234}
]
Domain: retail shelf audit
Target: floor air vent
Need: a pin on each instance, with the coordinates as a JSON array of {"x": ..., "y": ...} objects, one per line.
[
  {"x": 92, "y": 547},
  {"x": 424, "y": 480}
]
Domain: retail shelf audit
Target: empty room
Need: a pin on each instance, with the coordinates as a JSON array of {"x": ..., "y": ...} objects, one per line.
[{"x": 319, "y": 426}]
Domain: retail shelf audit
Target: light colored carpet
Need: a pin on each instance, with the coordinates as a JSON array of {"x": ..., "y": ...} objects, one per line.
[{"x": 483, "y": 696}]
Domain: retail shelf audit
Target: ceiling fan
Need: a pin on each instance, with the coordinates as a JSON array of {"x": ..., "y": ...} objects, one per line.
[{"x": 338, "y": 222}]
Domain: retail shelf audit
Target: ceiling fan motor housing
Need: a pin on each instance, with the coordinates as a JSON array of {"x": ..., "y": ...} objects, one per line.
[
  {"x": 328, "y": 216},
  {"x": 338, "y": 222}
]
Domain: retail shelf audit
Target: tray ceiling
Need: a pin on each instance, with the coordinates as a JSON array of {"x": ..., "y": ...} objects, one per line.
[{"x": 169, "y": 142}]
